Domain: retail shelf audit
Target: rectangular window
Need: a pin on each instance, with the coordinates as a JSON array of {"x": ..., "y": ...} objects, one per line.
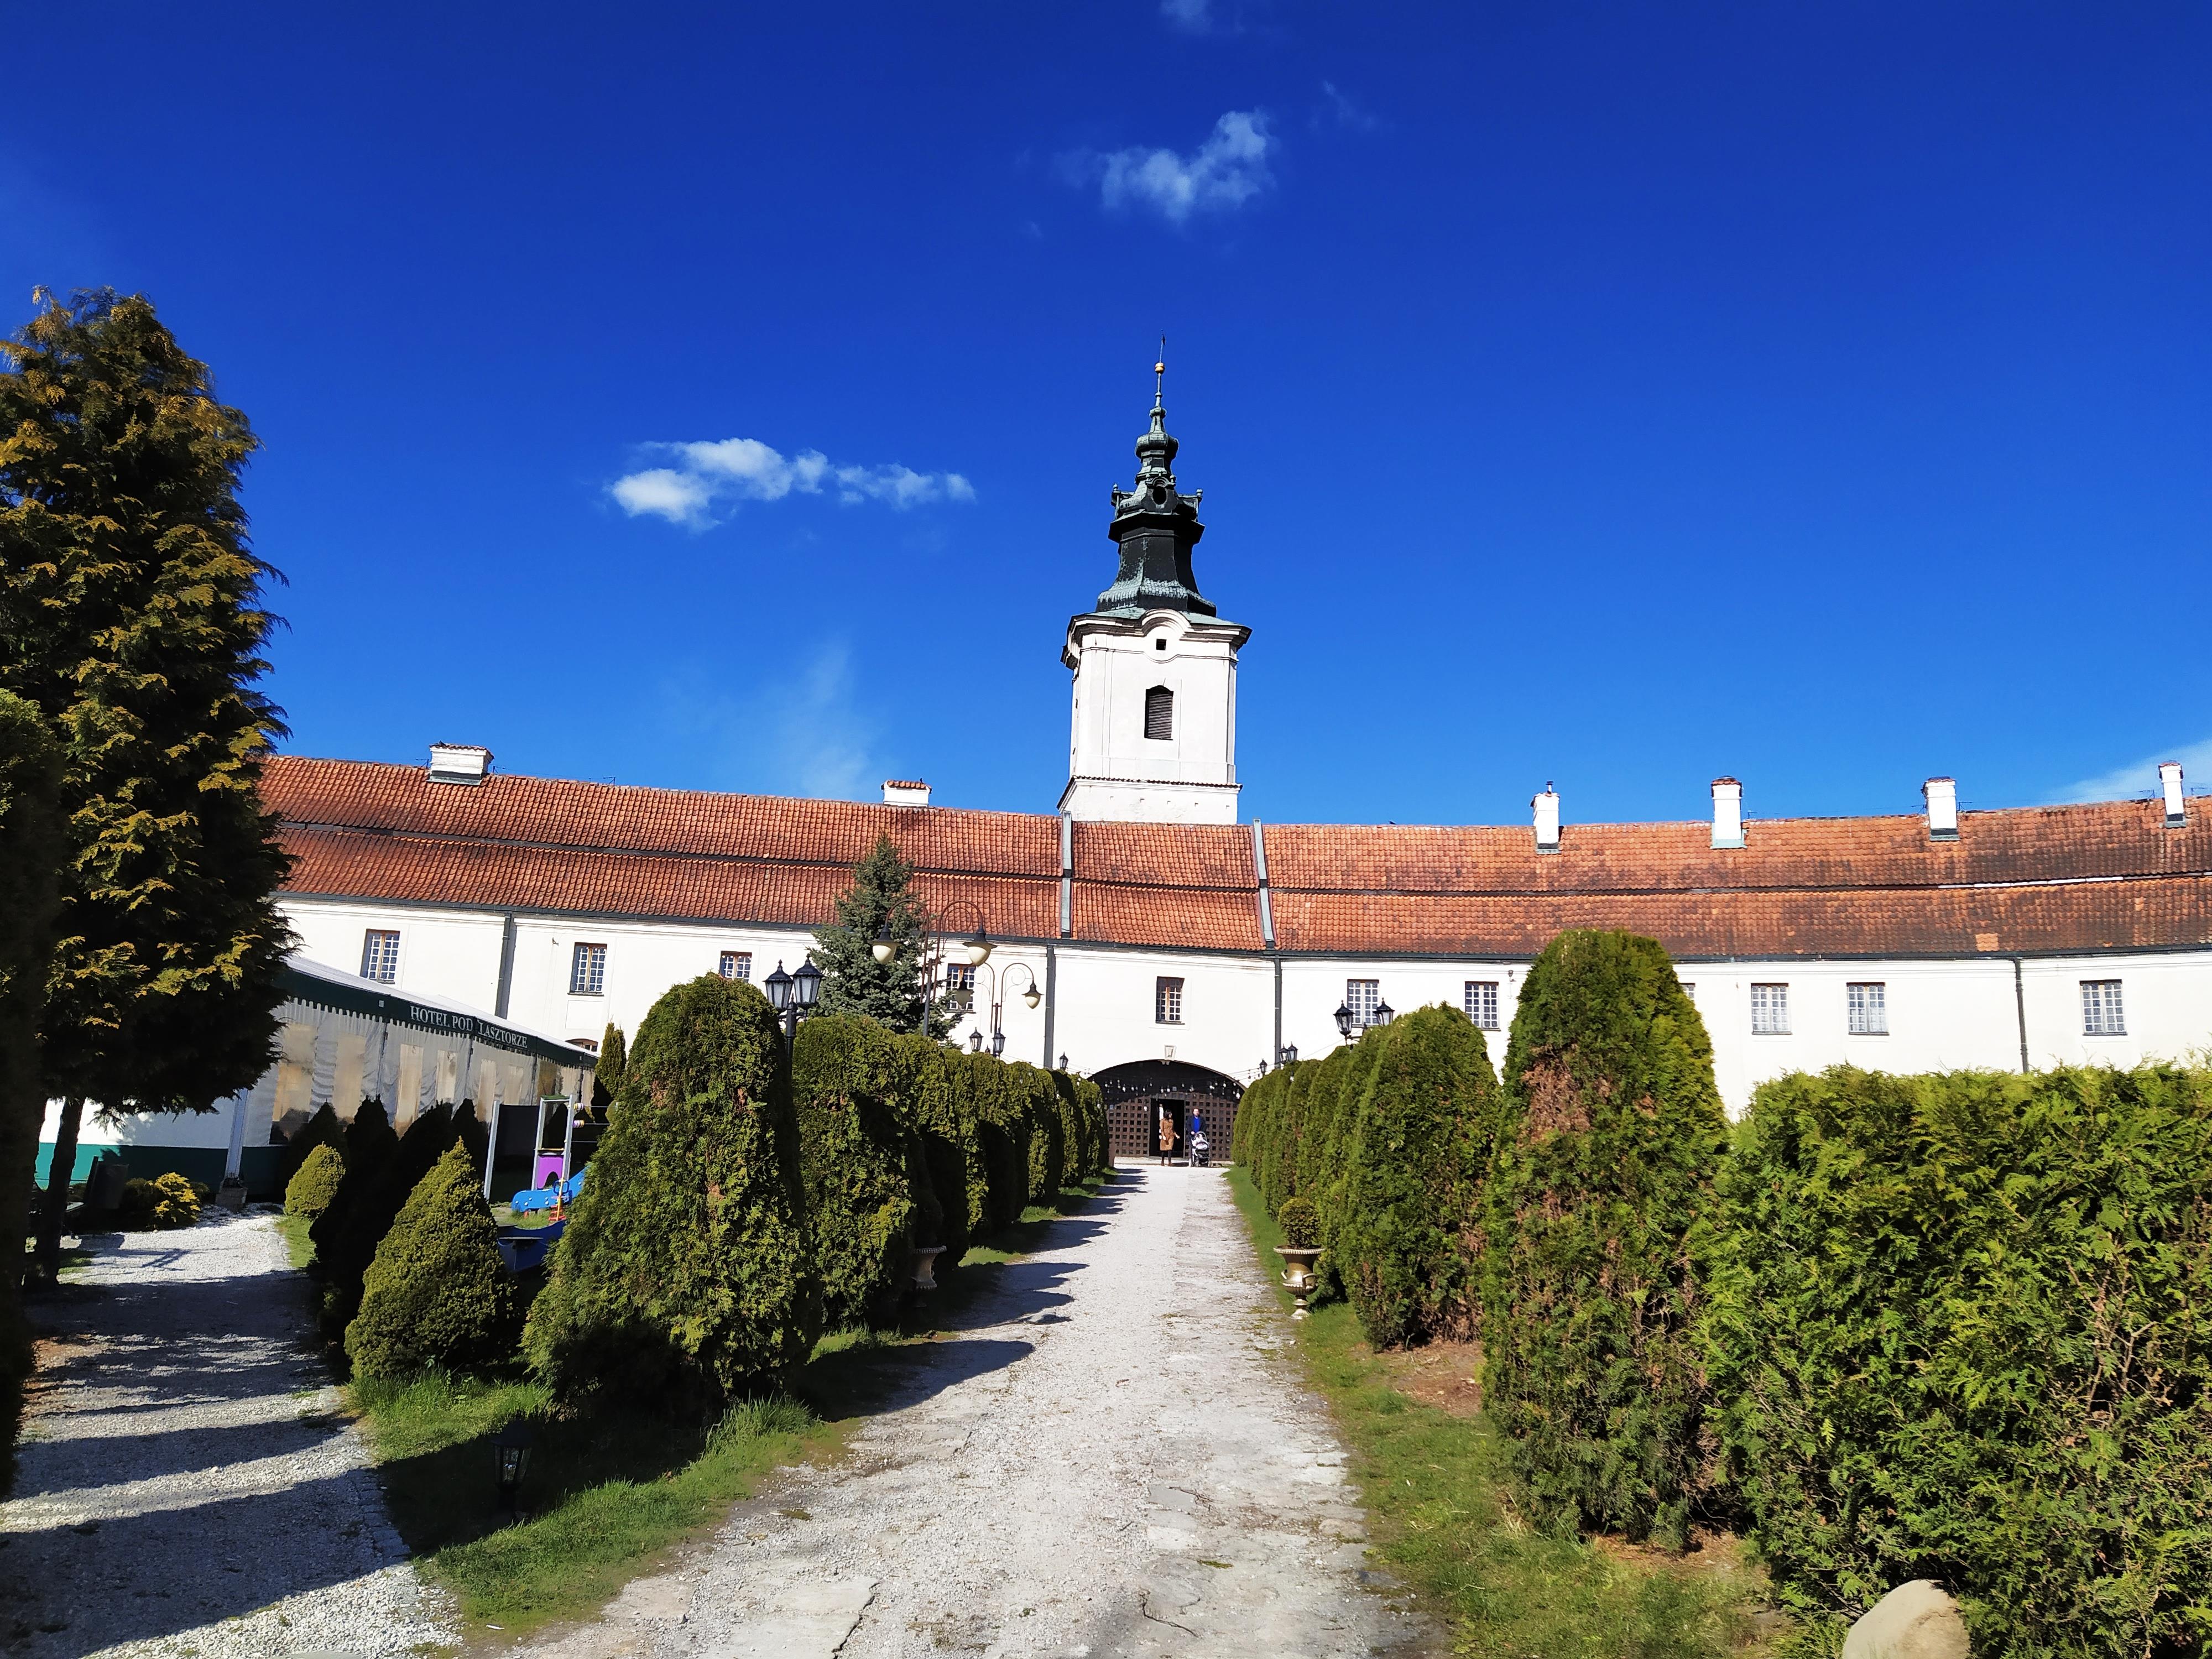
[
  {"x": 1159, "y": 715},
  {"x": 1482, "y": 1003},
  {"x": 1363, "y": 997},
  {"x": 587, "y": 971},
  {"x": 1770, "y": 1011},
  {"x": 379, "y": 956},
  {"x": 1689, "y": 990},
  {"x": 1167, "y": 1001},
  {"x": 2101, "y": 1015},
  {"x": 960, "y": 983},
  {"x": 1868, "y": 1009},
  {"x": 736, "y": 964}
]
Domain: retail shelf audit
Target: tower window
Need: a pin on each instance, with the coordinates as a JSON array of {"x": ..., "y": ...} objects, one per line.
[
  {"x": 1159, "y": 641},
  {"x": 1159, "y": 713}
]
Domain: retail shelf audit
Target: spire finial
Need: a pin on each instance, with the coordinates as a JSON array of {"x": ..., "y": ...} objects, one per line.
[{"x": 1160, "y": 374}]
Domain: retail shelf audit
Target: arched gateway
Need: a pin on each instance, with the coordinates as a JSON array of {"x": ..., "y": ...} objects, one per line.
[{"x": 1138, "y": 1092}]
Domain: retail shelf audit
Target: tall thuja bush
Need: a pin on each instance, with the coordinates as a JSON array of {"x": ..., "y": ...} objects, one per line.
[
  {"x": 943, "y": 1112},
  {"x": 437, "y": 1293},
  {"x": 1048, "y": 1132},
  {"x": 1963, "y": 1327},
  {"x": 1091, "y": 1100},
  {"x": 1003, "y": 1129},
  {"x": 1597, "y": 1220},
  {"x": 1262, "y": 1106},
  {"x": 1082, "y": 1160},
  {"x": 1333, "y": 1097},
  {"x": 856, "y": 1151},
  {"x": 1413, "y": 1180},
  {"x": 365, "y": 1205},
  {"x": 614, "y": 1057},
  {"x": 324, "y": 1128},
  {"x": 683, "y": 1272}
]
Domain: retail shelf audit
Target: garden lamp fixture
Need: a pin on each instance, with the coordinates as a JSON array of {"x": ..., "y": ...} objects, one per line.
[
  {"x": 511, "y": 1446},
  {"x": 793, "y": 996},
  {"x": 806, "y": 986},
  {"x": 778, "y": 987},
  {"x": 1290, "y": 1054},
  {"x": 1382, "y": 1015},
  {"x": 978, "y": 948},
  {"x": 976, "y": 1041},
  {"x": 1063, "y": 1062},
  {"x": 997, "y": 1044},
  {"x": 1345, "y": 1018},
  {"x": 885, "y": 946}
]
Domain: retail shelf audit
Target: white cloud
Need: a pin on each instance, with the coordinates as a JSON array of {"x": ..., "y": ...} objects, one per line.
[
  {"x": 2138, "y": 779},
  {"x": 734, "y": 469},
  {"x": 1225, "y": 172},
  {"x": 1196, "y": 15}
]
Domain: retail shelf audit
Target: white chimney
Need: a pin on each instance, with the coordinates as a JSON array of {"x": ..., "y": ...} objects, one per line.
[
  {"x": 1941, "y": 795},
  {"x": 460, "y": 762},
  {"x": 2169, "y": 785},
  {"x": 1548, "y": 820},
  {"x": 905, "y": 791},
  {"x": 1727, "y": 812}
]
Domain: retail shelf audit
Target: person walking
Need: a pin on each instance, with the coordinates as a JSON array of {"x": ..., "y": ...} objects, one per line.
[{"x": 1167, "y": 1136}]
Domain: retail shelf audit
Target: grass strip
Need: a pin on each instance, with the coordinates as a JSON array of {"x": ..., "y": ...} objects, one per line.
[{"x": 1440, "y": 1503}]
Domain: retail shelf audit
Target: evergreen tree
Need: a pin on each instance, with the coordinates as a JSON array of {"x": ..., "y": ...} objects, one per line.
[
  {"x": 30, "y": 856},
  {"x": 853, "y": 981},
  {"x": 852, "y": 1086},
  {"x": 437, "y": 1293},
  {"x": 1597, "y": 1223},
  {"x": 130, "y": 616},
  {"x": 607, "y": 1075}
]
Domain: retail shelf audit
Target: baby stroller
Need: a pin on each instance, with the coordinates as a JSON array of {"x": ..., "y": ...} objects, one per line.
[{"x": 1200, "y": 1151}]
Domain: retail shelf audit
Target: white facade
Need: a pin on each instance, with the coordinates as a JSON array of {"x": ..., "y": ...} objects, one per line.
[
  {"x": 1119, "y": 765},
  {"x": 1102, "y": 1002}
]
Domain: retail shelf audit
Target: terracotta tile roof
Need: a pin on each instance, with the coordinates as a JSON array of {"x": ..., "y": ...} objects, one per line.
[{"x": 2103, "y": 877}]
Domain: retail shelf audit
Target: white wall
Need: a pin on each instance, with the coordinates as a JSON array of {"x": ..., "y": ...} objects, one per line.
[
  {"x": 1941, "y": 1014},
  {"x": 1189, "y": 777}
]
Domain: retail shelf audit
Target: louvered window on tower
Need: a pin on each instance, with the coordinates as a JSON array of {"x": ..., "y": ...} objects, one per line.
[{"x": 1159, "y": 713}]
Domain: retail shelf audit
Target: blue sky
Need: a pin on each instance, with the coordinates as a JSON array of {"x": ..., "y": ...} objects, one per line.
[{"x": 1617, "y": 395}]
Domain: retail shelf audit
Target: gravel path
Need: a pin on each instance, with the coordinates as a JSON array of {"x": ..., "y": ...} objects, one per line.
[
  {"x": 1111, "y": 1457},
  {"x": 186, "y": 1486}
]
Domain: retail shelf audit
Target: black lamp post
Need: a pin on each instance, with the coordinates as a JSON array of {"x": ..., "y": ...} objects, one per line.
[
  {"x": 976, "y": 1041},
  {"x": 1382, "y": 1015},
  {"x": 1290, "y": 1054},
  {"x": 1344, "y": 1020},
  {"x": 794, "y": 995},
  {"x": 511, "y": 1446}
]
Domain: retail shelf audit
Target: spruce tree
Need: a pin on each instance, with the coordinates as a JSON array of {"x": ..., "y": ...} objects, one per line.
[
  {"x": 131, "y": 617},
  {"x": 853, "y": 981},
  {"x": 30, "y": 856},
  {"x": 1597, "y": 1223}
]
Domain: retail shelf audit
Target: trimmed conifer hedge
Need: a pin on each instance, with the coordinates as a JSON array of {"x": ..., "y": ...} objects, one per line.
[
  {"x": 321, "y": 1129},
  {"x": 1047, "y": 1166},
  {"x": 1003, "y": 1129},
  {"x": 1415, "y": 1157},
  {"x": 437, "y": 1293},
  {"x": 1596, "y": 1216},
  {"x": 1963, "y": 1325},
  {"x": 684, "y": 1269},
  {"x": 309, "y": 1193},
  {"x": 368, "y": 1201},
  {"x": 859, "y": 1157}
]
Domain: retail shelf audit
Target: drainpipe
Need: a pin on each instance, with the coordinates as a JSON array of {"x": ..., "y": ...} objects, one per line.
[
  {"x": 2020, "y": 1008},
  {"x": 1267, "y": 900},
  {"x": 505, "y": 967},
  {"x": 1051, "y": 987}
]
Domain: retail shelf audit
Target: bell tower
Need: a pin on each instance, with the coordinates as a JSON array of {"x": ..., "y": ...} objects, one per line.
[{"x": 1153, "y": 734}]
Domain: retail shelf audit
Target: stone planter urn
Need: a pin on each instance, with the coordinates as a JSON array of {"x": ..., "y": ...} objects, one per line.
[
  {"x": 921, "y": 1267},
  {"x": 1299, "y": 1273}
]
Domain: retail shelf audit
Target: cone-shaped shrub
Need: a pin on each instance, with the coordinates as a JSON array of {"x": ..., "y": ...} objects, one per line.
[
  {"x": 370, "y": 1138},
  {"x": 1003, "y": 1129},
  {"x": 855, "y": 1148},
  {"x": 1286, "y": 1131},
  {"x": 474, "y": 1139},
  {"x": 323, "y": 1129},
  {"x": 1301, "y": 1223},
  {"x": 1963, "y": 1327},
  {"x": 437, "y": 1293},
  {"x": 364, "y": 1208},
  {"x": 1597, "y": 1222},
  {"x": 1413, "y": 1180},
  {"x": 310, "y": 1192},
  {"x": 1333, "y": 1097},
  {"x": 1048, "y": 1134},
  {"x": 684, "y": 1271},
  {"x": 1093, "y": 1100},
  {"x": 945, "y": 1116}
]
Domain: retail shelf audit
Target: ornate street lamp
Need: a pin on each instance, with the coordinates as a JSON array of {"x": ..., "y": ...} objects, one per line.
[
  {"x": 1382, "y": 1015},
  {"x": 997, "y": 1044},
  {"x": 793, "y": 996},
  {"x": 1290, "y": 1054},
  {"x": 511, "y": 1446},
  {"x": 976, "y": 1041},
  {"x": 1344, "y": 1021}
]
